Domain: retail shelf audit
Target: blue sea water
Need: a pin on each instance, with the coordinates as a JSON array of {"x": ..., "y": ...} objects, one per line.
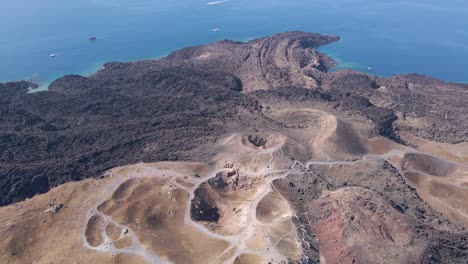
[{"x": 390, "y": 36}]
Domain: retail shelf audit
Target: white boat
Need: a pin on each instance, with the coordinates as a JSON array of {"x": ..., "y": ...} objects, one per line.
[
  {"x": 215, "y": 29},
  {"x": 53, "y": 55}
]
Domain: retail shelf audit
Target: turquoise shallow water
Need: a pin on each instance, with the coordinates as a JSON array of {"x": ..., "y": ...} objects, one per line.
[{"x": 391, "y": 37}]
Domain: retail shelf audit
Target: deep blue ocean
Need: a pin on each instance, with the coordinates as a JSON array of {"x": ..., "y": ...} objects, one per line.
[{"x": 389, "y": 36}]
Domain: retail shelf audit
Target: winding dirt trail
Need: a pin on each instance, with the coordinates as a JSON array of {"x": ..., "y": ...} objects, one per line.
[{"x": 239, "y": 244}]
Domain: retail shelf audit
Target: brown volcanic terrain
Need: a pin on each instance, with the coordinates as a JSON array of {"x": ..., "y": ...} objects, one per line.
[{"x": 261, "y": 156}]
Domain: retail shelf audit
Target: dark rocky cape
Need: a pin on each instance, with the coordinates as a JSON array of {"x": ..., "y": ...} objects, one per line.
[
  {"x": 169, "y": 109},
  {"x": 163, "y": 109}
]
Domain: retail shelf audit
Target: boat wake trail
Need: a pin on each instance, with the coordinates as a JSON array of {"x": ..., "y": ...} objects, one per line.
[{"x": 218, "y": 2}]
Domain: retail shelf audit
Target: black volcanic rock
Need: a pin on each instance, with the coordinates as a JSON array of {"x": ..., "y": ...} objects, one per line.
[
  {"x": 177, "y": 107},
  {"x": 164, "y": 109},
  {"x": 82, "y": 126}
]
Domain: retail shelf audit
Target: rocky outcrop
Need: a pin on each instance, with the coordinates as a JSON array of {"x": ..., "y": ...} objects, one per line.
[{"x": 356, "y": 226}]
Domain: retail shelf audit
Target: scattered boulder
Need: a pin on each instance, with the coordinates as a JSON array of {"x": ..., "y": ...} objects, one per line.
[{"x": 54, "y": 207}]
